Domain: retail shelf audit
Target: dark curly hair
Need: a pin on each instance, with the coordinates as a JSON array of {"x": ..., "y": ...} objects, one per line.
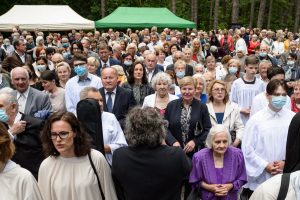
[
  {"x": 82, "y": 141},
  {"x": 144, "y": 128}
]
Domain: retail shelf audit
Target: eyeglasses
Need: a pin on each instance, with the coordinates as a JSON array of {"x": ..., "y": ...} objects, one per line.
[
  {"x": 219, "y": 89},
  {"x": 62, "y": 135}
]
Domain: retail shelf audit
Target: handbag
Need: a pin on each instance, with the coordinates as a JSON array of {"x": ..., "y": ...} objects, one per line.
[
  {"x": 194, "y": 195},
  {"x": 94, "y": 169}
]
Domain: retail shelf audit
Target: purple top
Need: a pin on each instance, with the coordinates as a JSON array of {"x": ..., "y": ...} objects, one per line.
[
  {"x": 219, "y": 173},
  {"x": 233, "y": 171}
]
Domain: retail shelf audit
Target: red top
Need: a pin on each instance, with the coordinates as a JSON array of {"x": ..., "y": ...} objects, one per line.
[
  {"x": 253, "y": 46},
  {"x": 294, "y": 106}
]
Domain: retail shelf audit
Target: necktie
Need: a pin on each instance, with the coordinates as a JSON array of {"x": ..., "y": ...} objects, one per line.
[
  {"x": 109, "y": 102},
  {"x": 21, "y": 102},
  {"x": 105, "y": 65}
]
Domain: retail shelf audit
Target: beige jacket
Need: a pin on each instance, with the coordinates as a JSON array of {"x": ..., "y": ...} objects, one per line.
[{"x": 231, "y": 119}]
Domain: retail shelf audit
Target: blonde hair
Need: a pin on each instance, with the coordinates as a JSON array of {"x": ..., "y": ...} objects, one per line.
[
  {"x": 188, "y": 80},
  {"x": 93, "y": 61}
]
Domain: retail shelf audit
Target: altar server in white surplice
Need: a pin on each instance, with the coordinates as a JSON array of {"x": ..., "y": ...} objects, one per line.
[
  {"x": 244, "y": 89},
  {"x": 265, "y": 136}
]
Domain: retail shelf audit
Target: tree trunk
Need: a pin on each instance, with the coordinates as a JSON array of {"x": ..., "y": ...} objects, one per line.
[
  {"x": 252, "y": 13},
  {"x": 194, "y": 9},
  {"x": 216, "y": 14},
  {"x": 211, "y": 13},
  {"x": 297, "y": 16},
  {"x": 270, "y": 14},
  {"x": 261, "y": 14},
  {"x": 174, "y": 6},
  {"x": 235, "y": 11},
  {"x": 224, "y": 7},
  {"x": 103, "y": 8}
]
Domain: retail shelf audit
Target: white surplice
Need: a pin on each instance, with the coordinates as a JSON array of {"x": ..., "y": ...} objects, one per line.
[
  {"x": 264, "y": 142},
  {"x": 243, "y": 94}
]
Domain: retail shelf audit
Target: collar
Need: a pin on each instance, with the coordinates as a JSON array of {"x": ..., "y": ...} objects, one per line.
[
  {"x": 274, "y": 113},
  {"x": 148, "y": 71},
  {"x": 20, "y": 54},
  {"x": 107, "y": 63},
  {"x": 89, "y": 77},
  {"x": 24, "y": 93},
  {"x": 113, "y": 92}
]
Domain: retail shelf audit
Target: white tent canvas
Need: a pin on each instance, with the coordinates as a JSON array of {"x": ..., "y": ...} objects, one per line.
[{"x": 44, "y": 17}]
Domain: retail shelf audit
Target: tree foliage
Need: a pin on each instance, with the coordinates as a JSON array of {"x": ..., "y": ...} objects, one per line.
[{"x": 282, "y": 15}]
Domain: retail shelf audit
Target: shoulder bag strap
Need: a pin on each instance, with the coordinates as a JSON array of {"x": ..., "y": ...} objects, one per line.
[
  {"x": 284, "y": 186},
  {"x": 94, "y": 169}
]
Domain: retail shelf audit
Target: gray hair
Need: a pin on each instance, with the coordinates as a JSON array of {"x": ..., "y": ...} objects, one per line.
[
  {"x": 199, "y": 65},
  {"x": 264, "y": 62},
  {"x": 200, "y": 76},
  {"x": 161, "y": 76},
  {"x": 218, "y": 128},
  {"x": 179, "y": 62},
  {"x": 144, "y": 127},
  {"x": 19, "y": 68},
  {"x": 177, "y": 52},
  {"x": 11, "y": 99},
  {"x": 84, "y": 92}
]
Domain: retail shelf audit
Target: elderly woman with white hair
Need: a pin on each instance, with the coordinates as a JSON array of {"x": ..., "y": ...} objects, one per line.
[
  {"x": 160, "y": 99},
  {"x": 200, "y": 92},
  {"x": 219, "y": 170}
]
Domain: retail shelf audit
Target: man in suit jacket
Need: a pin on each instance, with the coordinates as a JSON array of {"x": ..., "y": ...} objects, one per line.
[
  {"x": 24, "y": 130},
  {"x": 105, "y": 59},
  {"x": 18, "y": 57},
  {"x": 31, "y": 101},
  {"x": 178, "y": 55},
  {"x": 116, "y": 100},
  {"x": 151, "y": 66}
]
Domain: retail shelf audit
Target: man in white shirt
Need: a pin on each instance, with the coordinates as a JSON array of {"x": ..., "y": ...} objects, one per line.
[
  {"x": 154, "y": 42},
  {"x": 113, "y": 136},
  {"x": 265, "y": 136},
  {"x": 78, "y": 82}
]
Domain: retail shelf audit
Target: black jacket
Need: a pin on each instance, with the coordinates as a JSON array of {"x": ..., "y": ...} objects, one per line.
[
  {"x": 199, "y": 116},
  {"x": 124, "y": 100},
  {"x": 29, "y": 152}
]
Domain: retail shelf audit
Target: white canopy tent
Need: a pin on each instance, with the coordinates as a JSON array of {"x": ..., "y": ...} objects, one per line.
[{"x": 44, "y": 17}]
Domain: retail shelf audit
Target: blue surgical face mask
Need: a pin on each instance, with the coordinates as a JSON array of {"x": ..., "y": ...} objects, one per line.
[
  {"x": 290, "y": 62},
  {"x": 232, "y": 70},
  {"x": 80, "y": 70},
  {"x": 3, "y": 116},
  {"x": 278, "y": 101},
  {"x": 66, "y": 55},
  {"x": 41, "y": 68},
  {"x": 65, "y": 45},
  {"x": 263, "y": 54},
  {"x": 127, "y": 63},
  {"x": 180, "y": 74}
]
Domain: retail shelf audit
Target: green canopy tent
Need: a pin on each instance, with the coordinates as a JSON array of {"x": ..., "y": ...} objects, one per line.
[{"x": 138, "y": 17}]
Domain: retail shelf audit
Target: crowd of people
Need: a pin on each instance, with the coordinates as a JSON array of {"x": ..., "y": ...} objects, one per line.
[{"x": 150, "y": 114}]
